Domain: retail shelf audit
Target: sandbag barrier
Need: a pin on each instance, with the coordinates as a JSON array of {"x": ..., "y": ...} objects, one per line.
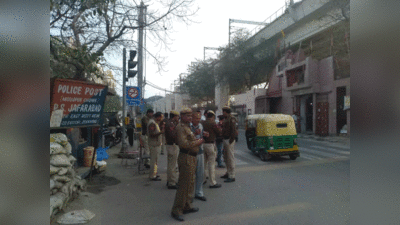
[{"x": 65, "y": 184}]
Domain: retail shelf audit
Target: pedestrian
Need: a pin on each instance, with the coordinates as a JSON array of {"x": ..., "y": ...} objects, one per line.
[
  {"x": 130, "y": 127},
  {"x": 219, "y": 143},
  {"x": 229, "y": 134},
  {"x": 197, "y": 129},
  {"x": 209, "y": 147},
  {"x": 155, "y": 129},
  {"x": 163, "y": 145},
  {"x": 188, "y": 149},
  {"x": 172, "y": 149},
  {"x": 145, "y": 121}
]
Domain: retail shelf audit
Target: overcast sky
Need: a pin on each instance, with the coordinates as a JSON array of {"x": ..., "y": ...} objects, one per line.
[{"x": 211, "y": 30}]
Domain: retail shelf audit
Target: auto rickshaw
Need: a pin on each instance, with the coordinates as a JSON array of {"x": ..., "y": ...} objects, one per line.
[{"x": 271, "y": 135}]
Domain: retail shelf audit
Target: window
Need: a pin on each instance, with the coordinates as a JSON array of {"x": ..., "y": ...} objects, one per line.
[
  {"x": 251, "y": 123},
  {"x": 281, "y": 66},
  {"x": 281, "y": 125},
  {"x": 295, "y": 76}
]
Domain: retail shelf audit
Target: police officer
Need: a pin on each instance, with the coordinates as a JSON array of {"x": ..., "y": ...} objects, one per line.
[
  {"x": 172, "y": 149},
  {"x": 188, "y": 147},
  {"x": 154, "y": 131},
  {"x": 145, "y": 121},
  {"x": 209, "y": 146},
  {"x": 229, "y": 134}
]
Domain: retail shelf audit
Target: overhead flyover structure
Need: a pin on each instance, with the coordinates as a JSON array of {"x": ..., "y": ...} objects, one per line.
[
  {"x": 299, "y": 21},
  {"x": 242, "y": 21}
]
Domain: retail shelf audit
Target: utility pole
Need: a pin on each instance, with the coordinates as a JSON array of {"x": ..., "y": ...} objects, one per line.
[
  {"x": 142, "y": 7},
  {"x": 123, "y": 99}
]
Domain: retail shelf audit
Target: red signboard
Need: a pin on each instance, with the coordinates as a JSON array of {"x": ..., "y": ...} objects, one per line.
[{"x": 82, "y": 103}]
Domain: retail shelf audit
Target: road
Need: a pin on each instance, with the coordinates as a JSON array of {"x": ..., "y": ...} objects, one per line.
[
  {"x": 310, "y": 150},
  {"x": 313, "y": 189}
]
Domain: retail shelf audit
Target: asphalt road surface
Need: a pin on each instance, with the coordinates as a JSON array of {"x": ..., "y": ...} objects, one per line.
[{"x": 313, "y": 189}]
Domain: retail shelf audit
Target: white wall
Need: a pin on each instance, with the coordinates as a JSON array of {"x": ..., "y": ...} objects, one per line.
[
  {"x": 165, "y": 104},
  {"x": 221, "y": 97},
  {"x": 249, "y": 98}
]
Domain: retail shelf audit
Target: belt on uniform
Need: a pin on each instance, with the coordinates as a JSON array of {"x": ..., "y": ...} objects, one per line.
[
  {"x": 170, "y": 143},
  {"x": 209, "y": 142},
  {"x": 187, "y": 152},
  {"x": 226, "y": 138}
]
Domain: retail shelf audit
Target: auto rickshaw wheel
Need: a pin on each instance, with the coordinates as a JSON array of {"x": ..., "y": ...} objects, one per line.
[
  {"x": 293, "y": 157},
  {"x": 264, "y": 156}
]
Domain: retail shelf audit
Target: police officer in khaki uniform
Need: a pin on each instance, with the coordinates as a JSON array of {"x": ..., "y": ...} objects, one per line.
[
  {"x": 172, "y": 150},
  {"x": 229, "y": 134},
  {"x": 155, "y": 129},
  {"x": 209, "y": 146},
  {"x": 188, "y": 147},
  {"x": 145, "y": 121}
]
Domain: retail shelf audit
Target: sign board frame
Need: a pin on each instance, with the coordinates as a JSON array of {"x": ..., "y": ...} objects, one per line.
[
  {"x": 82, "y": 103},
  {"x": 132, "y": 100}
]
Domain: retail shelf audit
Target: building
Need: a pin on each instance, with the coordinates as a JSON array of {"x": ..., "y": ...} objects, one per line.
[
  {"x": 174, "y": 101},
  {"x": 310, "y": 89}
]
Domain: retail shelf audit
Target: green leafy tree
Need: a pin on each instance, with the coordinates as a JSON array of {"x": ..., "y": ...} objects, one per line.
[
  {"x": 239, "y": 66},
  {"x": 112, "y": 104},
  {"x": 200, "y": 83}
]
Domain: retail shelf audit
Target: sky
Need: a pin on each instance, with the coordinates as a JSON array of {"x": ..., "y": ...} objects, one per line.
[{"x": 210, "y": 30}]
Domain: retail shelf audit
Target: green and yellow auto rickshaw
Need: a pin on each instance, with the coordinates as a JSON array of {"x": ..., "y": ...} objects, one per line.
[{"x": 271, "y": 135}]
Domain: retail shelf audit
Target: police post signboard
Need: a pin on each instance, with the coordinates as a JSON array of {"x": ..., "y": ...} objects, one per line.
[{"x": 81, "y": 103}]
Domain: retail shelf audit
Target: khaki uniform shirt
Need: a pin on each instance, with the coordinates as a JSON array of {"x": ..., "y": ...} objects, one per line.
[
  {"x": 185, "y": 138},
  {"x": 154, "y": 133},
  {"x": 229, "y": 128}
]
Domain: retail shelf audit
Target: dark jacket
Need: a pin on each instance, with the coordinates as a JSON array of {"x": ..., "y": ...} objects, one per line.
[
  {"x": 145, "y": 122},
  {"x": 170, "y": 132},
  {"x": 211, "y": 127}
]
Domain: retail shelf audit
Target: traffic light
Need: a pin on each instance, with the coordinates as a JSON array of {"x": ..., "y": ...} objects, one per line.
[{"x": 132, "y": 64}]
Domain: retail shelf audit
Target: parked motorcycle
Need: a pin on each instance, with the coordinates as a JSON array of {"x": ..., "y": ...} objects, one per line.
[
  {"x": 111, "y": 137},
  {"x": 108, "y": 136}
]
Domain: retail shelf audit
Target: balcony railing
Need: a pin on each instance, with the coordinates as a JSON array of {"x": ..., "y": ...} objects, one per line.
[{"x": 269, "y": 20}]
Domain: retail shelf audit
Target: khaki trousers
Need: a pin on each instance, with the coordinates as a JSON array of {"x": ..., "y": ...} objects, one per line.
[
  {"x": 187, "y": 168},
  {"x": 172, "y": 173},
  {"x": 229, "y": 158},
  {"x": 209, "y": 157},
  {"x": 154, "y": 152}
]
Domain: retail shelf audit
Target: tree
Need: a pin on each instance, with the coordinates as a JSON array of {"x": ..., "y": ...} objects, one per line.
[
  {"x": 95, "y": 27},
  {"x": 200, "y": 83},
  {"x": 240, "y": 67}
]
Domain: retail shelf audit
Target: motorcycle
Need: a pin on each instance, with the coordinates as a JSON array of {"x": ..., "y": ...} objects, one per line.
[
  {"x": 111, "y": 137},
  {"x": 108, "y": 137}
]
